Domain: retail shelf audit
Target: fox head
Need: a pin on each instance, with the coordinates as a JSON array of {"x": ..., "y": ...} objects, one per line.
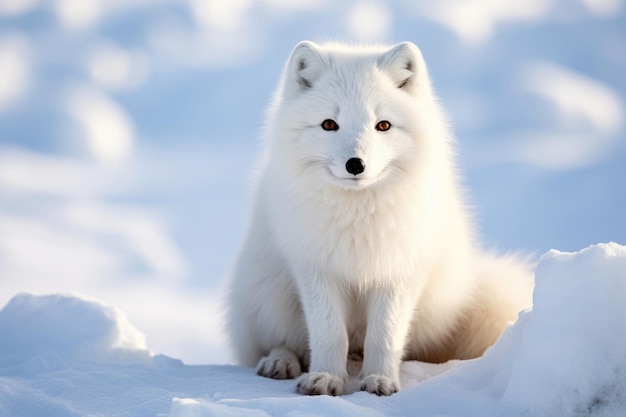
[{"x": 354, "y": 117}]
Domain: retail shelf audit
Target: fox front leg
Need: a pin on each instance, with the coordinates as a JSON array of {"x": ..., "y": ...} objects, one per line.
[
  {"x": 325, "y": 314},
  {"x": 389, "y": 316}
]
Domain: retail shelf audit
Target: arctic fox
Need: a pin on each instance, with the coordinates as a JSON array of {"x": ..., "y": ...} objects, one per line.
[{"x": 359, "y": 241}]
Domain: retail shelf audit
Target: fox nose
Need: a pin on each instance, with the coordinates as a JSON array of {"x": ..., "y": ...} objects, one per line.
[{"x": 355, "y": 166}]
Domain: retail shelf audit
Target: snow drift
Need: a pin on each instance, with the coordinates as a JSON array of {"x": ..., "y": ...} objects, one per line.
[
  {"x": 566, "y": 357},
  {"x": 65, "y": 327}
]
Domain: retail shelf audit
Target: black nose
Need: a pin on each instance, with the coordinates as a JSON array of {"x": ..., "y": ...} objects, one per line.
[{"x": 355, "y": 166}]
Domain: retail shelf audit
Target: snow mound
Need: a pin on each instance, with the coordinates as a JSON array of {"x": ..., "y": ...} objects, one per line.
[
  {"x": 566, "y": 357},
  {"x": 576, "y": 335},
  {"x": 44, "y": 330}
]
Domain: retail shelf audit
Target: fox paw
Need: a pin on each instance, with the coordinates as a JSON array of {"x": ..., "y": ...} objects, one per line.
[
  {"x": 379, "y": 385},
  {"x": 279, "y": 364},
  {"x": 320, "y": 383}
]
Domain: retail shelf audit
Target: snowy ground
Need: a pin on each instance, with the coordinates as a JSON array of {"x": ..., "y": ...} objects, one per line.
[{"x": 67, "y": 355}]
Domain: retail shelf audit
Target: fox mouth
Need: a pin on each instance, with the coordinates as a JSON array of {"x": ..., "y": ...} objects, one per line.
[{"x": 355, "y": 182}]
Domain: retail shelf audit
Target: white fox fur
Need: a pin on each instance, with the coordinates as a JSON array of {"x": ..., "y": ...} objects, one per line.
[{"x": 380, "y": 263}]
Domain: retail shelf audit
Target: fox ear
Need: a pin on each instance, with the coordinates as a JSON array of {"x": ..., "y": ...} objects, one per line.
[
  {"x": 304, "y": 66},
  {"x": 404, "y": 64}
]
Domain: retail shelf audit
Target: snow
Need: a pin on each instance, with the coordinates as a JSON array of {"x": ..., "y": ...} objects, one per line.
[
  {"x": 67, "y": 327},
  {"x": 69, "y": 355}
]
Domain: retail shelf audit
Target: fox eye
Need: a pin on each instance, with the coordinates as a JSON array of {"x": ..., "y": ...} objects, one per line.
[
  {"x": 383, "y": 126},
  {"x": 330, "y": 124}
]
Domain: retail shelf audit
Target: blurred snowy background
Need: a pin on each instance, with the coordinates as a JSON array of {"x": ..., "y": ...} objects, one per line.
[{"x": 129, "y": 129}]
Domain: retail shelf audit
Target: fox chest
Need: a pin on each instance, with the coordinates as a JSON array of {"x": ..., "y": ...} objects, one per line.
[{"x": 351, "y": 241}]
